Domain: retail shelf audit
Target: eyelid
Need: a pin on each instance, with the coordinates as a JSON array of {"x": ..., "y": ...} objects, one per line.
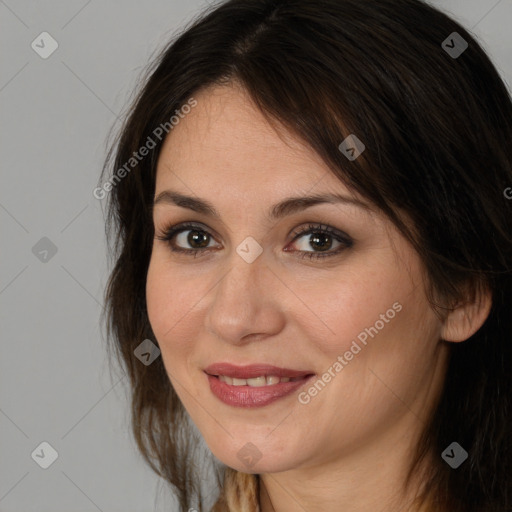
[
  {"x": 170, "y": 230},
  {"x": 324, "y": 228}
]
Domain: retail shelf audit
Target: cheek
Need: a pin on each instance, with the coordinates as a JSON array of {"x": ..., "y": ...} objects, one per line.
[
  {"x": 378, "y": 319},
  {"x": 381, "y": 344},
  {"x": 157, "y": 296},
  {"x": 351, "y": 304},
  {"x": 168, "y": 304},
  {"x": 170, "y": 312}
]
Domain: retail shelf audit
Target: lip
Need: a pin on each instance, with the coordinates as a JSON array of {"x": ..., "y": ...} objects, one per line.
[{"x": 249, "y": 396}]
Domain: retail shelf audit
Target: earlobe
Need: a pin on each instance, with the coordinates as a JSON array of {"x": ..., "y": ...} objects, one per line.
[{"x": 466, "y": 318}]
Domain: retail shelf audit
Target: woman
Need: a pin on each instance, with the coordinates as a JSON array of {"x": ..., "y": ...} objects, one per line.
[{"x": 307, "y": 210}]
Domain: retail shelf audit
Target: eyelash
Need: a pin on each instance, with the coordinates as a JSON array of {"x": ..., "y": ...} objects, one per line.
[{"x": 171, "y": 231}]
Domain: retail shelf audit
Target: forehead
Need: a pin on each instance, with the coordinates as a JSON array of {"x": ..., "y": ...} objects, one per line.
[{"x": 226, "y": 141}]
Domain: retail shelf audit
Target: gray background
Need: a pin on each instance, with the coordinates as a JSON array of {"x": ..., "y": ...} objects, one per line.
[{"x": 55, "y": 384}]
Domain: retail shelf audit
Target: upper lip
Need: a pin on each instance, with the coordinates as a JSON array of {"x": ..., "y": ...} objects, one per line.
[{"x": 253, "y": 370}]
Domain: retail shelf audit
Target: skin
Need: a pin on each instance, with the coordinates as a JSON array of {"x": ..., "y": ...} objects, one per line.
[{"x": 349, "y": 447}]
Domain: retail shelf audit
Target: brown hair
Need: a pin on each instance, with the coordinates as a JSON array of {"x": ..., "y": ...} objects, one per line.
[
  {"x": 437, "y": 130},
  {"x": 239, "y": 492}
]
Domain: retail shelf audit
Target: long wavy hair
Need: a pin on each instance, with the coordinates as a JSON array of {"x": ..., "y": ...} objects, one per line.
[{"x": 438, "y": 134}]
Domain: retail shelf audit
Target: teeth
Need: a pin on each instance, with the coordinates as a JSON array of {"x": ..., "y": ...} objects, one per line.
[
  {"x": 271, "y": 380},
  {"x": 254, "y": 382},
  {"x": 258, "y": 382}
]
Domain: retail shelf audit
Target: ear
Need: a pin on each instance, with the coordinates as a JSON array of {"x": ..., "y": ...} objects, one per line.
[{"x": 467, "y": 316}]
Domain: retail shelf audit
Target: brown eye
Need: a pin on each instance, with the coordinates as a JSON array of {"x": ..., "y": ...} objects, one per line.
[
  {"x": 196, "y": 238},
  {"x": 179, "y": 237},
  {"x": 321, "y": 239}
]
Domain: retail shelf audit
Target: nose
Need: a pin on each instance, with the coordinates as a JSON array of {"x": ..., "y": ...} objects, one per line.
[{"x": 246, "y": 304}]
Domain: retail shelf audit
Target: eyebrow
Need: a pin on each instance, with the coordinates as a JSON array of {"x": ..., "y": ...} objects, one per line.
[{"x": 282, "y": 209}]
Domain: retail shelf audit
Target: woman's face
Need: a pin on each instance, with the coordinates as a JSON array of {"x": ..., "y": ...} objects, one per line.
[{"x": 355, "y": 324}]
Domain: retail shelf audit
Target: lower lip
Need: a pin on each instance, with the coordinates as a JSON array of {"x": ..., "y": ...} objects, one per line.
[{"x": 248, "y": 396}]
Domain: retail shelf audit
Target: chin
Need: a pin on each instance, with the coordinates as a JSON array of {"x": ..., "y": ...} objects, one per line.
[
  {"x": 269, "y": 466},
  {"x": 258, "y": 457}
]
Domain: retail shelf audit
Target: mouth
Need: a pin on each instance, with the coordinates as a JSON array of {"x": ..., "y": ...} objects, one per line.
[
  {"x": 256, "y": 382},
  {"x": 255, "y": 385},
  {"x": 253, "y": 371}
]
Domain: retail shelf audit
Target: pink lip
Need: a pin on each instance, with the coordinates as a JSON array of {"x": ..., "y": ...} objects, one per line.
[{"x": 248, "y": 396}]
